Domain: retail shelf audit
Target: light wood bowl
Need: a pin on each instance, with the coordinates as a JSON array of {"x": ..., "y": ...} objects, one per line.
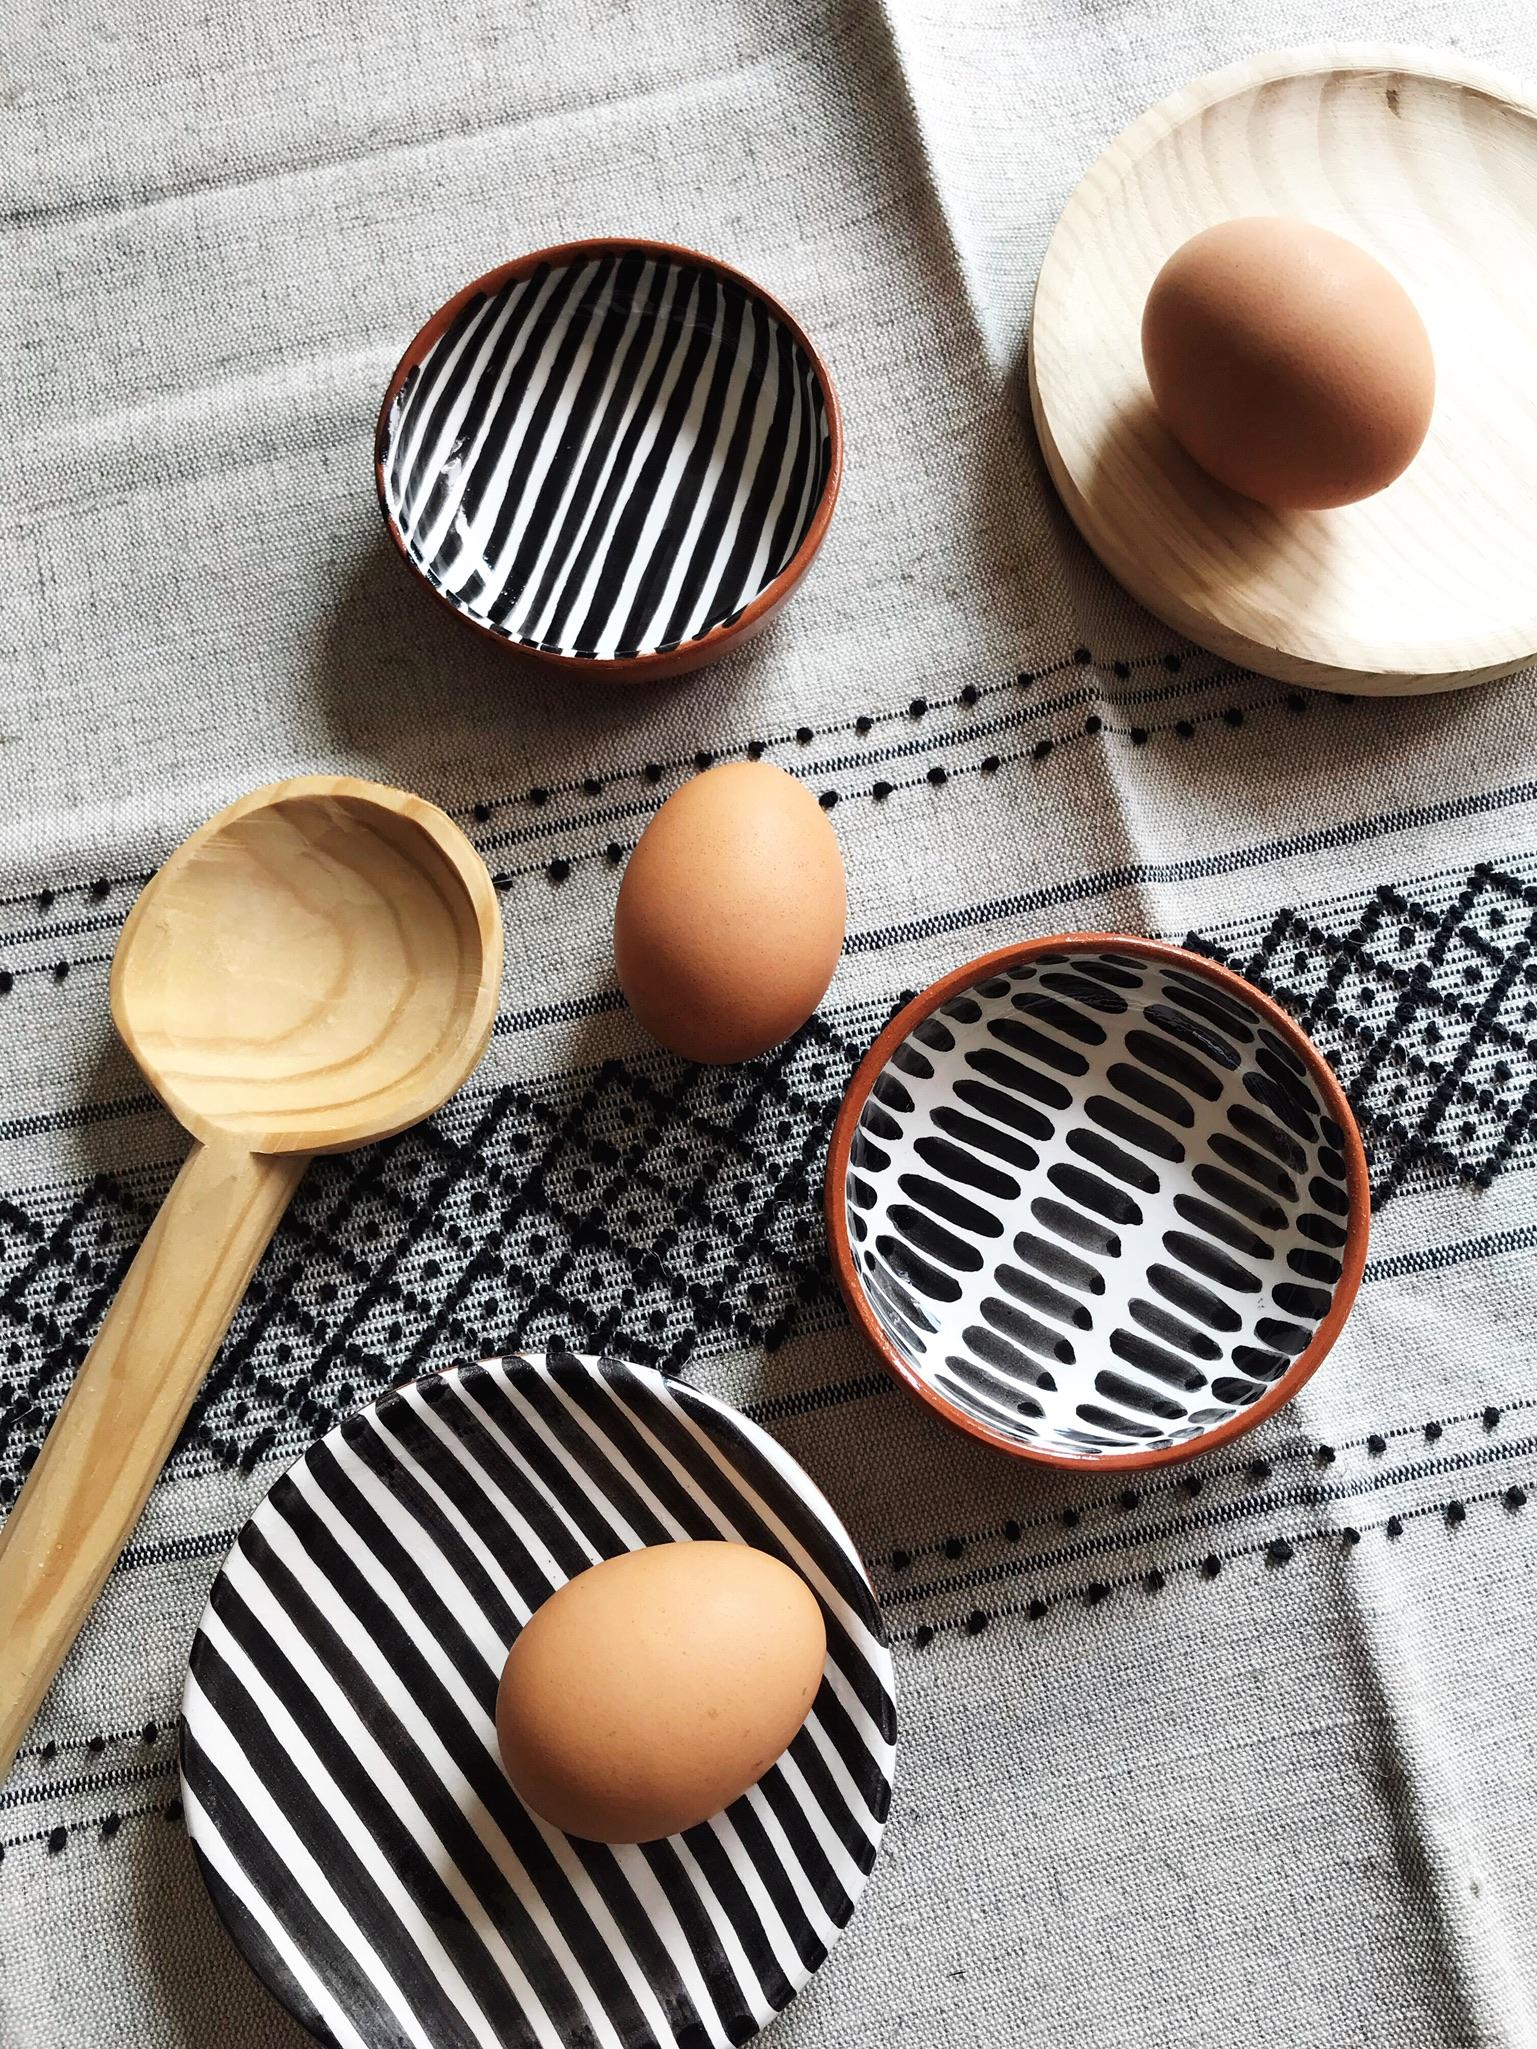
[
  {"x": 1430, "y": 163},
  {"x": 316, "y": 967}
]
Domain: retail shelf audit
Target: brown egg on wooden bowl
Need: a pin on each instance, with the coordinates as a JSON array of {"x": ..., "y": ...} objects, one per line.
[
  {"x": 1288, "y": 363},
  {"x": 1097, "y": 1201},
  {"x": 616, "y": 455},
  {"x": 1280, "y": 366}
]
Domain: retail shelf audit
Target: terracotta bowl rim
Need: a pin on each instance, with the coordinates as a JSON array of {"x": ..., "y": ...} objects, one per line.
[{"x": 1320, "y": 1073}]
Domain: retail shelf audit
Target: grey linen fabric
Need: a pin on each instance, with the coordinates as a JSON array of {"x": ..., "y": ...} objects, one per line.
[{"x": 1285, "y": 1798}]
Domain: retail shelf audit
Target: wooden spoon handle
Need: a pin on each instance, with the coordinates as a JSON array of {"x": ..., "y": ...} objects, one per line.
[{"x": 121, "y": 1417}]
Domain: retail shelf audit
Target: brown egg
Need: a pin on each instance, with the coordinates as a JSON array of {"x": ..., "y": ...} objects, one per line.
[
  {"x": 652, "y": 1690},
  {"x": 730, "y": 917},
  {"x": 1288, "y": 363}
]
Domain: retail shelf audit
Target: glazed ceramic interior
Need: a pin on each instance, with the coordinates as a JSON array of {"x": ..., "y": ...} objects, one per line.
[
  {"x": 1096, "y": 1204},
  {"x": 609, "y": 457}
]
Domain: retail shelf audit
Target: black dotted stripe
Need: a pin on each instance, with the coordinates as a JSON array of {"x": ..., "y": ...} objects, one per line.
[
  {"x": 102, "y": 1830},
  {"x": 594, "y": 785},
  {"x": 1255, "y": 1471},
  {"x": 558, "y": 868},
  {"x": 113, "y": 1781},
  {"x": 1276, "y": 1552},
  {"x": 1221, "y": 1516}
]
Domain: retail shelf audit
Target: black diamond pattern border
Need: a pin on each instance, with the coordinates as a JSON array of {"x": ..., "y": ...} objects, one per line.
[{"x": 659, "y": 1210}]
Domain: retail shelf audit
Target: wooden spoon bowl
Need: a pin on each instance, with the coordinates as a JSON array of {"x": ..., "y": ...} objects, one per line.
[
  {"x": 317, "y": 967},
  {"x": 308, "y": 971}
]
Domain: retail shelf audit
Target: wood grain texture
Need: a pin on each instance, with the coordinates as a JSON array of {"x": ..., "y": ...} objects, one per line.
[
  {"x": 1428, "y": 162},
  {"x": 129, "y": 1400},
  {"x": 317, "y": 967}
]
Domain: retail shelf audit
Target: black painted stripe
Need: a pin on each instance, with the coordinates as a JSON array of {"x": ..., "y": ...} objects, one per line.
[
  {"x": 1026, "y": 1330},
  {"x": 950, "y": 1206},
  {"x": 414, "y": 1865},
  {"x": 1015, "y": 1033},
  {"x": 1204, "y": 1041},
  {"x": 1150, "y": 1358},
  {"x": 680, "y": 287},
  {"x": 1210, "y": 1006},
  {"x": 716, "y": 377},
  {"x": 1089, "y": 1145},
  {"x": 1096, "y": 997},
  {"x": 1119, "y": 1427},
  {"x": 1168, "y": 1059},
  {"x": 997, "y": 1391},
  {"x": 443, "y": 1631},
  {"x": 608, "y": 299},
  {"x": 1267, "y": 1172},
  {"x": 1207, "y": 1260},
  {"x": 1093, "y": 1193},
  {"x": 986, "y": 1137},
  {"x": 932, "y": 1238},
  {"x": 917, "y": 1271},
  {"x": 1131, "y": 1394},
  {"x": 1014, "y": 1074},
  {"x": 496, "y": 413},
  {"x": 1173, "y": 1329},
  {"x": 328, "y": 1842},
  {"x": 1268, "y": 1137},
  {"x": 1076, "y": 1228},
  {"x": 1198, "y": 1303},
  {"x": 963, "y": 1166},
  {"x": 257, "y": 1946},
  {"x": 437, "y": 385},
  {"x": 1043, "y": 1296},
  {"x": 1006, "y": 1109},
  {"x": 1134, "y": 1129},
  {"x": 1062, "y": 1017},
  {"x": 1151, "y": 1094},
  {"x": 1058, "y": 1264},
  {"x": 1223, "y": 1226}
]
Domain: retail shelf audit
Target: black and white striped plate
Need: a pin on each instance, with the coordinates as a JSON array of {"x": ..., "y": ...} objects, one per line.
[
  {"x": 339, "y": 1762},
  {"x": 608, "y": 451}
]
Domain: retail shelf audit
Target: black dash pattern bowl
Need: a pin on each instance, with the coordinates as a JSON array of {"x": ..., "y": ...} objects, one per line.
[
  {"x": 614, "y": 453},
  {"x": 1096, "y": 1199},
  {"x": 339, "y": 1762}
]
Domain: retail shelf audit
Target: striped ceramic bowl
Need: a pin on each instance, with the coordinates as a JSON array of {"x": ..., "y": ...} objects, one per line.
[
  {"x": 1096, "y": 1199},
  {"x": 615, "y": 453}
]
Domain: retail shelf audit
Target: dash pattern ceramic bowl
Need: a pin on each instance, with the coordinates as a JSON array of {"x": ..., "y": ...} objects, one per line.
[
  {"x": 616, "y": 453},
  {"x": 1097, "y": 1199}
]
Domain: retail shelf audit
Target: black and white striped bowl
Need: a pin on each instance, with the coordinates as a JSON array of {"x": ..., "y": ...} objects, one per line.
[
  {"x": 613, "y": 452},
  {"x": 1095, "y": 1198},
  {"x": 339, "y": 1763}
]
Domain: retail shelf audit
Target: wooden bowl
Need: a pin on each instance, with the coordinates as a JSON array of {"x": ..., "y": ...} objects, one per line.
[
  {"x": 1097, "y": 1201},
  {"x": 1430, "y": 163},
  {"x": 613, "y": 454}
]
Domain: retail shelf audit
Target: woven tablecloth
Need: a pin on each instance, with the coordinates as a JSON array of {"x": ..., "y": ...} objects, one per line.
[{"x": 1288, "y": 1798}]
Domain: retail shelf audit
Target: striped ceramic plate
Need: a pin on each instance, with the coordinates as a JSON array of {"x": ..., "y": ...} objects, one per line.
[{"x": 339, "y": 1762}]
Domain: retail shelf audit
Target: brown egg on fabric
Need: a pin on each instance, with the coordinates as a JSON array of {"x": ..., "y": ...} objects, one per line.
[
  {"x": 730, "y": 916},
  {"x": 653, "y": 1689},
  {"x": 1288, "y": 363}
]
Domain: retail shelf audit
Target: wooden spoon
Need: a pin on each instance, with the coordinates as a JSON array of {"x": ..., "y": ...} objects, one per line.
[{"x": 317, "y": 967}]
